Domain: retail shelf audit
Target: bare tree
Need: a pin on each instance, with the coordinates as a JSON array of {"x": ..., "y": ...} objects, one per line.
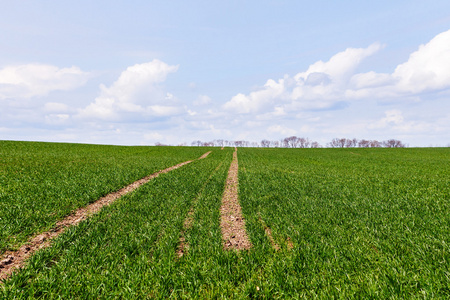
[
  {"x": 303, "y": 142},
  {"x": 315, "y": 145},
  {"x": 375, "y": 144},
  {"x": 363, "y": 143},
  {"x": 265, "y": 143},
  {"x": 290, "y": 142},
  {"x": 337, "y": 143},
  {"x": 275, "y": 144},
  {"x": 392, "y": 143}
]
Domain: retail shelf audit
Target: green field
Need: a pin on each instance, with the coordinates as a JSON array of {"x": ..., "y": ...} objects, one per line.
[
  {"x": 43, "y": 182},
  {"x": 349, "y": 223}
]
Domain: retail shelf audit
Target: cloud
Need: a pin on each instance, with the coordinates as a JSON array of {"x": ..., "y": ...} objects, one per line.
[
  {"x": 341, "y": 66},
  {"x": 259, "y": 100},
  {"x": 392, "y": 118},
  {"x": 32, "y": 80},
  {"x": 136, "y": 93},
  {"x": 281, "y": 130},
  {"x": 52, "y": 107},
  {"x": 428, "y": 68},
  {"x": 202, "y": 100},
  {"x": 316, "y": 88},
  {"x": 334, "y": 84}
]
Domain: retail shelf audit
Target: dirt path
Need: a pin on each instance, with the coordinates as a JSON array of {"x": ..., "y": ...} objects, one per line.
[
  {"x": 15, "y": 259},
  {"x": 231, "y": 221},
  {"x": 205, "y": 155}
]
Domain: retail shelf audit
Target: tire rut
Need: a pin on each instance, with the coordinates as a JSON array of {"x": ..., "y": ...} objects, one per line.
[{"x": 232, "y": 223}]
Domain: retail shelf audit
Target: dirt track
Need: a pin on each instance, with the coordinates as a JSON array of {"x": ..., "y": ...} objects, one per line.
[{"x": 232, "y": 223}]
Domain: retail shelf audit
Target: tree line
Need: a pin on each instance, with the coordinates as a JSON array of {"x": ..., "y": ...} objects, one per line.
[{"x": 301, "y": 142}]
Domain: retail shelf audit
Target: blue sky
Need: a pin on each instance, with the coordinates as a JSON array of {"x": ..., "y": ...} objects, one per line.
[{"x": 141, "y": 72}]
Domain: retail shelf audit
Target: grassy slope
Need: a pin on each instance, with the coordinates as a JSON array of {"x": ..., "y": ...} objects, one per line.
[{"x": 43, "y": 182}]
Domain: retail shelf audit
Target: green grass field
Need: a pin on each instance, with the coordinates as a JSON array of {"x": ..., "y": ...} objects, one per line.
[
  {"x": 349, "y": 223},
  {"x": 43, "y": 182}
]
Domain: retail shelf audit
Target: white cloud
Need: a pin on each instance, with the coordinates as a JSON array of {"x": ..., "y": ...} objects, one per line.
[
  {"x": 136, "y": 92},
  {"x": 31, "y": 80},
  {"x": 257, "y": 101},
  {"x": 340, "y": 66},
  {"x": 284, "y": 131},
  {"x": 52, "y": 107},
  {"x": 317, "y": 88},
  {"x": 202, "y": 100},
  {"x": 56, "y": 119},
  {"x": 428, "y": 68},
  {"x": 392, "y": 117},
  {"x": 395, "y": 123},
  {"x": 326, "y": 85}
]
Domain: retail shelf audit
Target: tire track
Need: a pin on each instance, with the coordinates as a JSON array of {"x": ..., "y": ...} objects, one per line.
[
  {"x": 231, "y": 221},
  {"x": 13, "y": 260}
]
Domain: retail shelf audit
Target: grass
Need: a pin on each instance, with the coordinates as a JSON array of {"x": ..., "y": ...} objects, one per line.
[
  {"x": 41, "y": 183},
  {"x": 365, "y": 223},
  {"x": 129, "y": 249},
  {"x": 350, "y": 223}
]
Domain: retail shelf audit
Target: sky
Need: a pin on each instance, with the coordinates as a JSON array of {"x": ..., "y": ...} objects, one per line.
[{"x": 173, "y": 72}]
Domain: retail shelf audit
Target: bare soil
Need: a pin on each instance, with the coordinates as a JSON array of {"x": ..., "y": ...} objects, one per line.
[
  {"x": 231, "y": 221},
  {"x": 205, "y": 155},
  {"x": 13, "y": 260}
]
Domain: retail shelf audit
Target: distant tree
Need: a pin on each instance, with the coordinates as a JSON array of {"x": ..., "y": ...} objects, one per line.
[
  {"x": 337, "y": 143},
  {"x": 392, "y": 143},
  {"x": 303, "y": 142},
  {"x": 275, "y": 144},
  {"x": 265, "y": 143},
  {"x": 375, "y": 144},
  {"x": 363, "y": 143},
  {"x": 315, "y": 145},
  {"x": 351, "y": 143},
  {"x": 219, "y": 143},
  {"x": 290, "y": 142}
]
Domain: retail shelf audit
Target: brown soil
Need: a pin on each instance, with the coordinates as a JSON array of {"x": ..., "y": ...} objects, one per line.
[
  {"x": 231, "y": 221},
  {"x": 204, "y": 155},
  {"x": 12, "y": 260}
]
